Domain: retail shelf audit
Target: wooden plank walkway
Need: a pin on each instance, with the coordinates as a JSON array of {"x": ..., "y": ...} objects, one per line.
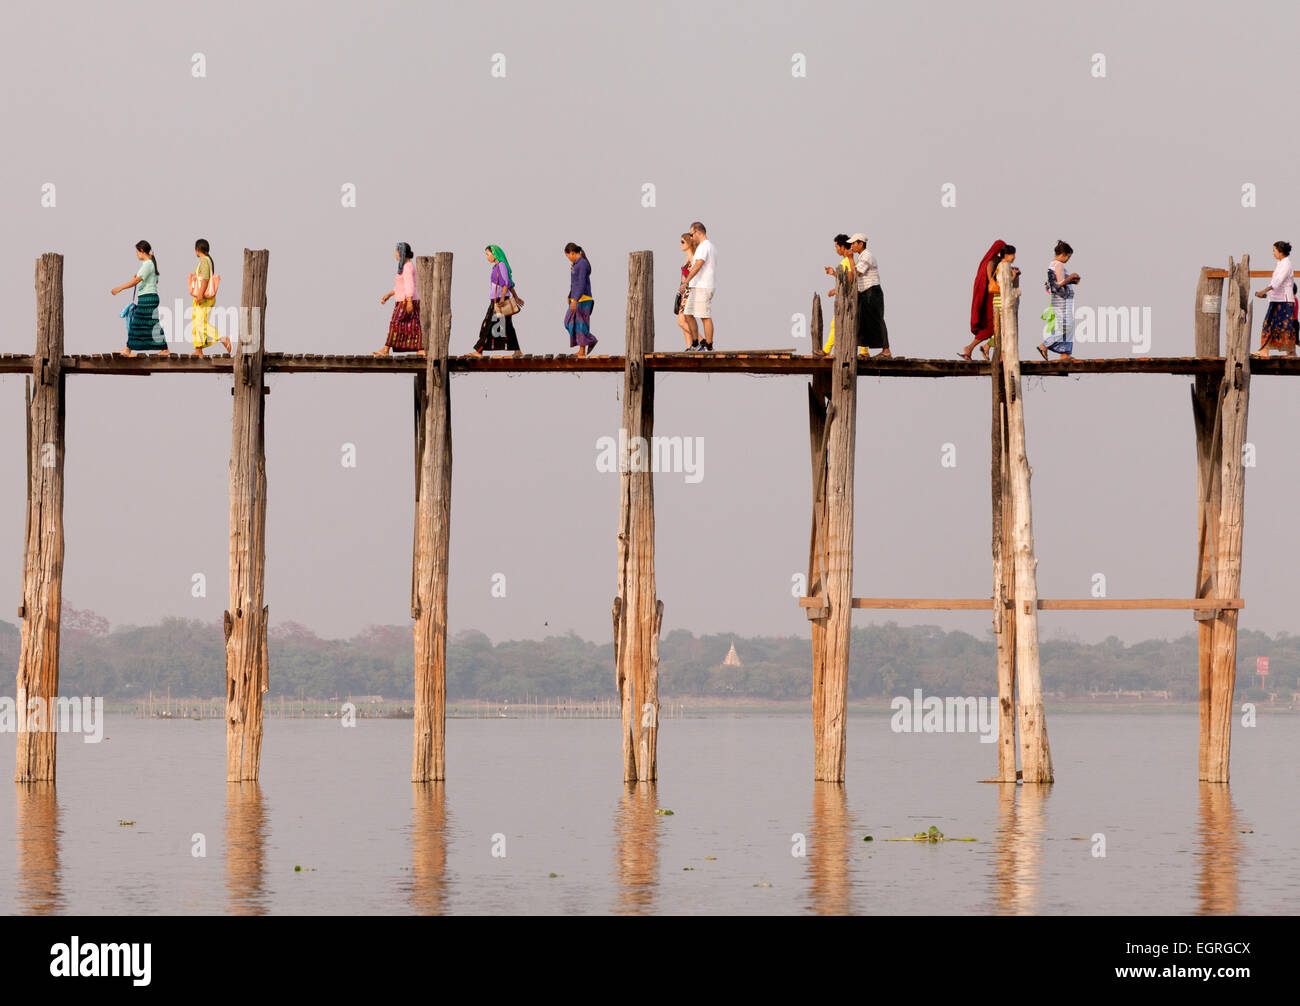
[{"x": 756, "y": 362}]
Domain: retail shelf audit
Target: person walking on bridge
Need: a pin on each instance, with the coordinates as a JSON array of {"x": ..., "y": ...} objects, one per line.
[
  {"x": 404, "y": 334},
  {"x": 1280, "y": 321},
  {"x": 577, "y": 319},
  {"x": 1061, "y": 287},
  {"x": 144, "y": 329},
  {"x": 873, "y": 333},
  {"x": 700, "y": 281},
  {"x": 498, "y": 328},
  {"x": 981, "y": 304}
]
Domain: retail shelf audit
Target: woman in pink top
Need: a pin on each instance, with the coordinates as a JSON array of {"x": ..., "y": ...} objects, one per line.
[
  {"x": 1280, "y": 321},
  {"x": 404, "y": 333}
]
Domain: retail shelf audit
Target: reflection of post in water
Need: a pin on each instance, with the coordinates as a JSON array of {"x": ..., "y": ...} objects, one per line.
[
  {"x": 828, "y": 850},
  {"x": 1019, "y": 847},
  {"x": 429, "y": 848},
  {"x": 1218, "y": 842},
  {"x": 636, "y": 830},
  {"x": 37, "y": 839},
  {"x": 245, "y": 848}
]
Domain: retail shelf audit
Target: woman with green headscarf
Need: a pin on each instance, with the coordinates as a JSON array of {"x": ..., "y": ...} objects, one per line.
[{"x": 498, "y": 328}]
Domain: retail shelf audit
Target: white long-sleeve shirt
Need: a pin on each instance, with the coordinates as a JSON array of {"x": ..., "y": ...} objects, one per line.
[{"x": 1279, "y": 287}]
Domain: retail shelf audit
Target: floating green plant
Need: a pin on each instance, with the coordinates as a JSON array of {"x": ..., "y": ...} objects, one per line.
[
  {"x": 665, "y": 813},
  {"x": 125, "y": 824},
  {"x": 933, "y": 835}
]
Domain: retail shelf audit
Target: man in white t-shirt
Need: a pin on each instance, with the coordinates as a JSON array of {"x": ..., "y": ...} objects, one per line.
[{"x": 699, "y": 284}]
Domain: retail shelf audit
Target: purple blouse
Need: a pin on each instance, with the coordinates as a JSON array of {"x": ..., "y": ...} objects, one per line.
[{"x": 499, "y": 281}]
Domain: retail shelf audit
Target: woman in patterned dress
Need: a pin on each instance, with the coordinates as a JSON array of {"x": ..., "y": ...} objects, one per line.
[
  {"x": 404, "y": 333},
  {"x": 145, "y": 331},
  {"x": 1280, "y": 321}
]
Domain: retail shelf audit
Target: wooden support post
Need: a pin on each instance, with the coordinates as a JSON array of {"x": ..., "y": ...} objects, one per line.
[
  {"x": 42, "y": 602},
  {"x": 1227, "y": 557},
  {"x": 830, "y": 689},
  {"x": 246, "y": 661},
  {"x": 638, "y": 614},
  {"x": 819, "y": 393},
  {"x": 1035, "y": 754},
  {"x": 432, "y": 524},
  {"x": 1004, "y": 626},
  {"x": 421, "y": 402},
  {"x": 1206, "y": 417}
]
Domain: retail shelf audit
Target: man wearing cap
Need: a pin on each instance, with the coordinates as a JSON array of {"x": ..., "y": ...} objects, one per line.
[{"x": 872, "y": 331}]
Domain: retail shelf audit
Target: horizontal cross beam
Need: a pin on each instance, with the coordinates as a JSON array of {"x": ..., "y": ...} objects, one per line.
[{"x": 1044, "y": 604}]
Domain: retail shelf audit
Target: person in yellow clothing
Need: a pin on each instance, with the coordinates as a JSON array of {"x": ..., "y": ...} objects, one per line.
[
  {"x": 846, "y": 264},
  {"x": 205, "y": 333}
]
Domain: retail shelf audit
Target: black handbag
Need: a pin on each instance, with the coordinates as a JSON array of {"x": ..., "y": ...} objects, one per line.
[{"x": 677, "y": 302}]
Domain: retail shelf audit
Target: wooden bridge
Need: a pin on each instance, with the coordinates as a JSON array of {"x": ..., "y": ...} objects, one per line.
[{"x": 1220, "y": 395}]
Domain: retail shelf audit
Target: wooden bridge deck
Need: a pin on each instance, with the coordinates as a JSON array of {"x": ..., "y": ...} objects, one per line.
[{"x": 759, "y": 362}]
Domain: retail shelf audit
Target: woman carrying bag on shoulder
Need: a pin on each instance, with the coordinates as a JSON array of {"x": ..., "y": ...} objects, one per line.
[
  {"x": 498, "y": 328},
  {"x": 204, "y": 282}
]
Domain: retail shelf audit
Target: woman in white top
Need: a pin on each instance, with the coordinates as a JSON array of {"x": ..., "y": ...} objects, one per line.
[{"x": 1280, "y": 321}]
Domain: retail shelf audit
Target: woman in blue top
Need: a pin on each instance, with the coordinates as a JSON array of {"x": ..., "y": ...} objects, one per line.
[
  {"x": 145, "y": 331},
  {"x": 577, "y": 319}
]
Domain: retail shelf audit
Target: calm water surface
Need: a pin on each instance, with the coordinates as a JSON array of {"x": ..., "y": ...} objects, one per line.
[{"x": 337, "y": 802}]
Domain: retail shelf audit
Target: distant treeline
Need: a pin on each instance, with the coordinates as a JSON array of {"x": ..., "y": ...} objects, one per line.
[{"x": 188, "y": 657}]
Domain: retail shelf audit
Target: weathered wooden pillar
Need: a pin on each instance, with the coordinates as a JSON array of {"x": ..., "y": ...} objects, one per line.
[
  {"x": 432, "y": 523},
  {"x": 1207, "y": 417},
  {"x": 246, "y": 661},
  {"x": 819, "y": 393},
  {"x": 831, "y": 691},
  {"x": 638, "y": 613},
  {"x": 1004, "y": 624},
  {"x": 1227, "y": 557},
  {"x": 42, "y": 602},
  {"x": 1035, "y": 754}
]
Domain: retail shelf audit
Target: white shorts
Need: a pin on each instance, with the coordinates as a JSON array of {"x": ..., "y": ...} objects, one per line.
[{"x": 698, "y": 299}]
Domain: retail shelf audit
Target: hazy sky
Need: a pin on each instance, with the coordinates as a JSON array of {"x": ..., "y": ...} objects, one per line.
[{"x": 1140, "y": 170}]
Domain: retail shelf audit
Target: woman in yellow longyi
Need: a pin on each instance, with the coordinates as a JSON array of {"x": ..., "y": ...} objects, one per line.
[
  {"x": 846, "y": 263},
  {"x": 204, "y": 332}
]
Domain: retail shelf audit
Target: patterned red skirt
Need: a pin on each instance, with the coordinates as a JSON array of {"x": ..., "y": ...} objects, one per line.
[{"x": 404, "y": 333}]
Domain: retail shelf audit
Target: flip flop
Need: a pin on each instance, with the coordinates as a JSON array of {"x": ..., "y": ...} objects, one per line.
[
  {"x": 965, "y": 356},
  {"x": 1042, "y": 352}
]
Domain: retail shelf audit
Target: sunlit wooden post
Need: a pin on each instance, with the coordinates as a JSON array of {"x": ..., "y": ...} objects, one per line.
[
  {"x": 42, "y": 603},
  {"x": 831, "y": 682},
  {"x": 1227, "y": 558},
  {"x": 432, "y": 522},
  {"x": 1207, "y": 417},
  {"x": 247, "y": 669},
  {"x": 1035, "y": 754},
  {"x": 638, "y": 613}
]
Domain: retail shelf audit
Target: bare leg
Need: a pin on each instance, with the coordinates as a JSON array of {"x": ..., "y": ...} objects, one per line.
[{"x": 708, "y": 330}]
